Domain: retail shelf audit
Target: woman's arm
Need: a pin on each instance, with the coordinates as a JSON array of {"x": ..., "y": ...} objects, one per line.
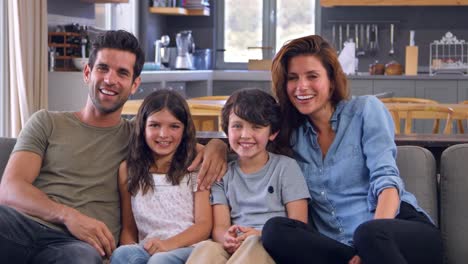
[
  {"x": 200, "y": 230},
  {"x": 213, "y": 163},
  {"x": 387, "y": 204},
  {"x": 297, "y": 210},
  {"x": 129, "y": 234}
]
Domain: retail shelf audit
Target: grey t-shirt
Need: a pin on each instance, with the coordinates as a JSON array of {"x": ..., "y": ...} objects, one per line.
[
  {"x": 255, "y": 198},
  {"x": 80, "y": 163}
]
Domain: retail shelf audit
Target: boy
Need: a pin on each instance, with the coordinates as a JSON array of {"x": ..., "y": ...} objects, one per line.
[{"x": 258, "y": 185}]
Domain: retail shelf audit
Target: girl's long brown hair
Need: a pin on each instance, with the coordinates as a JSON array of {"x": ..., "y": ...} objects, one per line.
[
  {"x": 140, "y": 157},
  {"x": 310, "y": 45}
]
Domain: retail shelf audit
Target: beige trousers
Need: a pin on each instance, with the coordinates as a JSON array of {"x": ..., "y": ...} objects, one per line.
[{"x": 250, "y": 252}]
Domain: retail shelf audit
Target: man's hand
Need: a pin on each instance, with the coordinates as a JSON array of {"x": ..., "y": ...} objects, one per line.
[
  {"x": 90, "y": 230},
  {"x": 155, "y": 245},
  {"x": 231, "y": 243},
  {"x": 213, "y": 163}
]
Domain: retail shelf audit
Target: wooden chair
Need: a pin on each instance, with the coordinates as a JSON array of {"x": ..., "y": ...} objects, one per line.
[
  {"x": 408, "y": 100},
  {"x": 414, "y": 100},
  {"x": 212, "y": 97},
  {"x": 461, "y": 129},
  {"x": 409, "y": 112}
]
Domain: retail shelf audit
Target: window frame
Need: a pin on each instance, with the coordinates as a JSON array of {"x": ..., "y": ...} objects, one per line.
[
  {"x": 268, "y": 32},
  {"x": 4, "y": 73}
]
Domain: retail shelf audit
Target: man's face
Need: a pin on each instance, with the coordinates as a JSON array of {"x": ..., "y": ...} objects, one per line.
[{"x": 110, "y": 82}]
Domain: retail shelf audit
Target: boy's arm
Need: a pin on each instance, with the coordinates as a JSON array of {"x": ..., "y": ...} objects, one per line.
[
  {"x": 222, "y": 222},
  {"x": 297, "y": 210},
  {"x": 200, "y": 230},
  {"x": 129, "y": 234}
]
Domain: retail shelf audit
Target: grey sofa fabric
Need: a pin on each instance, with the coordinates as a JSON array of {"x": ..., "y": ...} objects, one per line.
[
  {"x": 454, "y": 203},
  {"x": 417, "y": 168},
  {"x": 6, "y": 146}
]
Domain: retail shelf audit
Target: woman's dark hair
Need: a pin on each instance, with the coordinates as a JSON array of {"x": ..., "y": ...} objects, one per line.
[
  {"x": 310, "y": 45},
  {"x": 121, "y": 40},
  {"x": 255, "y": 106},
  {"x": 140, "y": 157}
]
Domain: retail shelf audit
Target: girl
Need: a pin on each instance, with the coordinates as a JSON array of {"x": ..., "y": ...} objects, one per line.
[{"x": 163, "y": 215}]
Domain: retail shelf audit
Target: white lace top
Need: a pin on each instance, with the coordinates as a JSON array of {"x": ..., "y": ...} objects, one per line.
[{"x": 167, "y": 210}]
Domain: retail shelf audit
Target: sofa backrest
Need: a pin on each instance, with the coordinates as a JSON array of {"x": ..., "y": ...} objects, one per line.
[
  {"x": 6, "y": 146},
  {"x": 454, "y": 203},
  {"x": 417, "y": 168}
]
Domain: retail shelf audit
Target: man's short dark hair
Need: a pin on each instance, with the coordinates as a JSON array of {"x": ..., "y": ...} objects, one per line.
[{"x": 121, "y": 40}]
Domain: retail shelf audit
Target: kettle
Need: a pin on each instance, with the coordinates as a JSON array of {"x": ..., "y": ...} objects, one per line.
[{"x": 185, "y": 48}]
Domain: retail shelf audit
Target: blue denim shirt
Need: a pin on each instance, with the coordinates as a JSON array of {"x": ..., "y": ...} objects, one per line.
[{"x": 359, "y": 165}]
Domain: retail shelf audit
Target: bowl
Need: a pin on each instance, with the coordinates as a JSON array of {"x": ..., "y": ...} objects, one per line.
[{"x": 80, "y": 63}]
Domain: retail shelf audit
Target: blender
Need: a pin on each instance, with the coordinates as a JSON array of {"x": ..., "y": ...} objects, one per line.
[{"x": 185, "y": 48}]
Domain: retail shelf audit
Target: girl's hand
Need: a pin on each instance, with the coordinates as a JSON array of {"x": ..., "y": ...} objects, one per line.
[
  {"x": 231, "y": 243},
  {"x": 245, "y": 232},
  {"x": 155, "y": 245},
  {"x": 355, "y": 260}
]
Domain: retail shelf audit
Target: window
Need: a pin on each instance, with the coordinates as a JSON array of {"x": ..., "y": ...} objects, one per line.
[{"x": 256, "y": 29}]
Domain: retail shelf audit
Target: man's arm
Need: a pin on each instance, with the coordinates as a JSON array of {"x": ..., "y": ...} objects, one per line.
[
  {"x": 17, "y": 191},
  {"x": 213, "y": 159}
]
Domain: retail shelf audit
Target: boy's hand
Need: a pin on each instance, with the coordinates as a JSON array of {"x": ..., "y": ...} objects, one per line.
[
  {"x": 245, "y": 232},
  {"x": 155, "y": 245},
  {"x": 231, "y": 243}
]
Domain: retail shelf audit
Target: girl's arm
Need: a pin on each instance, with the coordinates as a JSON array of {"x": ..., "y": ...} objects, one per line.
[
  {"x": 200, "y": 230},
  {"x": 129, "y": 234},
  {"x": 387, "y": 204},
  {"x": 297, "y": 210}
]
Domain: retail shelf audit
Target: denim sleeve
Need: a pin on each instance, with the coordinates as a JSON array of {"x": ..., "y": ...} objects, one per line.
[{"x": 378, "y": 141}]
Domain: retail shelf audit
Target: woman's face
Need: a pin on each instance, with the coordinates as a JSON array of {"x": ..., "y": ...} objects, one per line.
[{"x": 308, "y": 86}]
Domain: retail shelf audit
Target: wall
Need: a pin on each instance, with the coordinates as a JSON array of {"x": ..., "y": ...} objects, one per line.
[
  {"x": 74, "y": 8},
  {"x": 429, "y": 22}
]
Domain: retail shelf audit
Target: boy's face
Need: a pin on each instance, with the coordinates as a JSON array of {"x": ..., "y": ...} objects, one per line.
[{"x": 248, "y": 140}]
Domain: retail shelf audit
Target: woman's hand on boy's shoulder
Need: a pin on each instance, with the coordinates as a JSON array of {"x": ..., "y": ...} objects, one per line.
[{"x": 211, "y": 163}]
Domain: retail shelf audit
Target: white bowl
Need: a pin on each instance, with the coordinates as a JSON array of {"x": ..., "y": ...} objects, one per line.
[{"x": 80, "y": 63}]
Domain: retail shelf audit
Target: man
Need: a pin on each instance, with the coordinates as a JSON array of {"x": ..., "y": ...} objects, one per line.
[{"x": 58, "y": 195}]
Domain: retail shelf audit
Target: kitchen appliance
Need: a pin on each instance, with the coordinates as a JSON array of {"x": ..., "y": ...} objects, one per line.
[
  {"x": 158, "y": 46},
  {"x": 185, "y": 48}
]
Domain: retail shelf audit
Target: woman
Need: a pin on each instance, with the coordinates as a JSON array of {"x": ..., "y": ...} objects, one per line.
[{"x": 345, "y": 148}]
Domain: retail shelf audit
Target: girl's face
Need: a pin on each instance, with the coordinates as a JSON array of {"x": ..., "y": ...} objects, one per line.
[
  {"x": 308, "y": 86},
  {"x": 248, "y": 140},
  {"x": 163, "y": 134}
]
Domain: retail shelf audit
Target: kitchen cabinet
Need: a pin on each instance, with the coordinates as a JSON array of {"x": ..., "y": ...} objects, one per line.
[
  {"x": 179, "y": 11},
  {"x": 105, "y": 1},
  {"x": 330, "y": 3},
  {"x": 361, "y": 87},
  {"x": 400, "y": 88}
]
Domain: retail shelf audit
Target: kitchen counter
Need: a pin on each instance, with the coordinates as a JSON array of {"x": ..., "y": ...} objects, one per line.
[{"x": 68, "y": 92}]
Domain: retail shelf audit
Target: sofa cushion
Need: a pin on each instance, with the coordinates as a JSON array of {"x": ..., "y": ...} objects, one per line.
[
  {"x": 454, "y": 202},
  {"x": 417, "y": 168},
  {"x": 6, "y": 146}
]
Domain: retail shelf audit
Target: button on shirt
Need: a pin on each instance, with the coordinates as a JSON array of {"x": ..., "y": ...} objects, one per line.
[{"x": 359, "y": 165}]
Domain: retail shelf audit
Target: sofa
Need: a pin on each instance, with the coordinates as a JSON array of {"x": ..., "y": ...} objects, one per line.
[{"x": 444, "y": 196}]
